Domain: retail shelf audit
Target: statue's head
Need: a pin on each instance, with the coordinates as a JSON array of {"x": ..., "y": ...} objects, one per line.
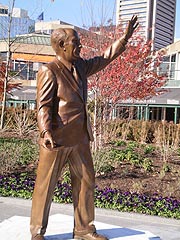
[{"x": 66, "y": 43}]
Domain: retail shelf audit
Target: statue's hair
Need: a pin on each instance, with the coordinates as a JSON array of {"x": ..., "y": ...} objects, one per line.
[{"x": 59, "y": 34}]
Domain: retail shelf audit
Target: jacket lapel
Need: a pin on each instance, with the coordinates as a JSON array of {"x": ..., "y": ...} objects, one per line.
[{"x": 76, "y": 84}]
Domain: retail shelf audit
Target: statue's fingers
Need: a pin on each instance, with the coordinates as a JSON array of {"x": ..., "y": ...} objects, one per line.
[
  {"x": 134, "y": 19},
  {"x": 136, "y": 25}
]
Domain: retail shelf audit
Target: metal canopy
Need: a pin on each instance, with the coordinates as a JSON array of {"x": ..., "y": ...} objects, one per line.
[
  {"x": 24, "y": 93},
  {"x": 170, "y": 97}
]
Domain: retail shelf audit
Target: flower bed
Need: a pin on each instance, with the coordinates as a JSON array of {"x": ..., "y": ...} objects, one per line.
[{"x": 21, "y": 185}]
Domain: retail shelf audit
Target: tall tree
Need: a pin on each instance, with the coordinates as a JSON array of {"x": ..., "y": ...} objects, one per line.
[
  {"x": 6, "y": 77},
  {"x": 133, "y": 75},
  {"x": 10, "y": 85}
]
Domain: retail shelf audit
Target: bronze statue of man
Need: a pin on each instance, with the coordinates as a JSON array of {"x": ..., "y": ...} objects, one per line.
[{"x": 65, "y": 131}]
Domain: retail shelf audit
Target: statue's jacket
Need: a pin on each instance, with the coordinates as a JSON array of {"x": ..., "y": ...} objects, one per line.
[{"x": 61, "y": 100}]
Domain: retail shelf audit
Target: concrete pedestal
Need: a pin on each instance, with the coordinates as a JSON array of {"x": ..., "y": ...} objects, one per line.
[{"x": 60, "y": 228}]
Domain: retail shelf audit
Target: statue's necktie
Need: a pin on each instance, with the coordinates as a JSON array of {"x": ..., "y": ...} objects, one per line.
[
  {"x": 77, "y": 78},
  {"x": 75, "y": 74}
]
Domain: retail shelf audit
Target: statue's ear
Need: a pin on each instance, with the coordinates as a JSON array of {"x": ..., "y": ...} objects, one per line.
[{"x": 61, "y": 43}]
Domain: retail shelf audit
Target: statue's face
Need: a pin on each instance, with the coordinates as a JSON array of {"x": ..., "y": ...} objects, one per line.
[{"x": 72, "y": 46}]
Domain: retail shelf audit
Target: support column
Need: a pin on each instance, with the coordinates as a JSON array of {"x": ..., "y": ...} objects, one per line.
[
  {"x": 147, "y": 113},
  {"x": 114, "y": 115},
  {"x": 138, "y": 112},
  {"x": 163, "y": 117},
  {"x": 141, "y": 113},
  {"x": 175, "y": 115}
]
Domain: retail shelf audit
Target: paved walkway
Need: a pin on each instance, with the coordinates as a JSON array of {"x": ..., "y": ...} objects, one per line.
[{"x": 14, "y": 218}]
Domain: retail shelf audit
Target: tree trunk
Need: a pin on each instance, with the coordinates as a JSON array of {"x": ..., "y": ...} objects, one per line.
[
  {"x": 95, "y": 122},
  {"x": 7, "y": 68}
]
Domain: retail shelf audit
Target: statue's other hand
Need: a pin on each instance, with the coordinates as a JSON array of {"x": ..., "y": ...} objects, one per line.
[
  {"x": 132, "y": 25},
  {"x": 48, "y": 141}
]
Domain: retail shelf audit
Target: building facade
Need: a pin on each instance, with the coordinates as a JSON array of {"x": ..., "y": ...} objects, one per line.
[
  {"x": 164, "y": 107},
  {"x": 21, "y": 22},
  {"x": 48, "y": 27},
  {"x": 171, "y": 65},
  {"x": 156, "y": 19}
]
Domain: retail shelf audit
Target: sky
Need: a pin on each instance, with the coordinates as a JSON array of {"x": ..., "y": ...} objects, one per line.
[{"x": 77, "y": 12}]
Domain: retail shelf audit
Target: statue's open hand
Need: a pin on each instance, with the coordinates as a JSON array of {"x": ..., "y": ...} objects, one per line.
[
  {"x": 132, "y": 25},
  {"x": 48, "y": 141}
]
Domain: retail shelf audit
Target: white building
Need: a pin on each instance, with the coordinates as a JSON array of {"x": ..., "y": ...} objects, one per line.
[
  {"x": 171, "y": 65},
  {"x": 48, "y": 27},
  {"x": 21, "y": 23},
  {"x": 156, "y": 19}
]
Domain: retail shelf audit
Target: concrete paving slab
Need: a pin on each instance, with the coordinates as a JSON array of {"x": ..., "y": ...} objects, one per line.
[{"x": 60, "y": 228}]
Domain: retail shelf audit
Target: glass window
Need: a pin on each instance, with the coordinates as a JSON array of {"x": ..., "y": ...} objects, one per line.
[{"x": 173, "y": 58}]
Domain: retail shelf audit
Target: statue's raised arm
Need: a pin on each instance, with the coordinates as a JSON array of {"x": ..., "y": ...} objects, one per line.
[{"x": 132, "y": 25}]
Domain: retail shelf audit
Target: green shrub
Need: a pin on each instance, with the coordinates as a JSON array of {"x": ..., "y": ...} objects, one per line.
[
  {"x": 103, "y": 161},
  {"x": 16, "y": 153},
  {"x": 166, "y": 167},
  {"x": 147, "y": 164},
  {"x": 149, "y": 149},
  {"x": 132, "y": 145},
  {"x": 133, "y": 158},
  {"x": 120, "y": 143}
]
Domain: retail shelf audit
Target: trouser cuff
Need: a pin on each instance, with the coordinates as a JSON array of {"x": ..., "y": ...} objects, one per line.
[{"x": 89, "y": 229}]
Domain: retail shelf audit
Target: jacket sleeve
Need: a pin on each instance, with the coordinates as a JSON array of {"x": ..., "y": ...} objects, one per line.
[
  {"x": 96, "y": 64},
  {"x": 46, "y": 87}
]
